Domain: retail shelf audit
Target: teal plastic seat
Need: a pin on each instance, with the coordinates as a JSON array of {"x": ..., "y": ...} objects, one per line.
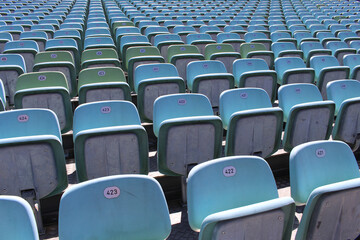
[
  {"x": 340, "y": 50},
  {"x": 222, "y": 52},
  {"x": 346, "y": 95},
  {"x": 293, "y": 70},
  {"x": 281, "y": 36},
  {"x": 200, "y": 40},
  {"x": 98, "y": 42},
  {"x": 45, "y": 90},
  {"x": 183, "y": 31},
  {"x": 238, "y": 29},
  {"x": 97, "y": 32},
  {"x": 26, "y": 48},
  {"x": 253, "y": 126},
  {"x": 231, "y": 38},
  {"x": 347, "y": 37},
  {"x": 188, "y": 132},
  {"x": 72, "y": 34},
  {"x": 327, "y": 69},
  {"x": 31, "y": 149},
  {"x": 11, "y": 67},
  {"x": 61, "y": 61},
  {"x": 136, "y": 56},
  {"x": 254, "y": 72},
  {"x": 209, "y": 78},
  {"x": 241, "y": 200},
  {"x": 132, "y": 41},
  {"x": 49, "y": 29},
  {"x": 258, "y": 37},
  {"x": 109, "y": 140},
  {"x": 304, "y": 37},
  {"x": 152, "y": 81},
  {"x": 212, "y": 30},
  {"x": 17, "y": 219},
  {"x": 14, "y": 30},
  {"x": 123, "y": 31},
  {"x": 285, "y": 49},
  {"x": 307, "y": 116},
  {"x": 164, "y": 41},
  {"x": 312, "y": 49},
  {"x": 39, "y": 37},
  {"x": 325, "y": 37},
  {"x": 151, "y": 31},
  {"x": 353, "y": 61},
  {"x": 325, "y": 176},
  {"x": 65, "y": 44},
  {"x": 131, "y": 207},
  {"x": 257, "y": 50}
]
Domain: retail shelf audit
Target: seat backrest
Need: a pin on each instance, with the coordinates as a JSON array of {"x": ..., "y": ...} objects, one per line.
[
  {"x": 275, "y": 36},
  {"x": 245, "y": 48},
  {"x": 27, "y": 45},
  {"x": 320, "y": 62},
  {"x": 182, "y": 49},
  {"x": 197, "y": 68},
  {"x": 131, "y": 207},
  {"x": 179, "y": 29},
  {"x": 155, "y": 70},
  {"x": 6, "y": 35},
  {"x": 217, "y": 48},
  {"x": 33, "y": 35},
  {"x": 98, "y": 42},
  {"x": 126, "y": 30},
  {"x": 155, "y": 29},
  {"x": 29, "y": 122},
  {"x": 232, "y": 28},
  {"x": 208, "y": 28},
  {"x": 100, "y": 75},
  {"x": 340, "y": 90},
  {"x": 193, "y": 37},
  {"x": 241, "y": 66},
  {"x": 254, "y": 36},
  {"x": 352, "y": 61},
  {"x": 285, "y": 63},
  {"x": 240, "y": 99},
  {"x": 319, "y": 163},
  {"x": 54, "y": 56},
  {"x": 67, "y": 33},
  {"x": 105, "y": 114},
  {"x": 17, "y": 219},
  {"x": 292, "y": 94},
  {"x": 221, "y": 37},
  {"x": 13, "y": 60},
  {"x": 344, "y": 35},
  {"x": 234, "y": 182},
  {"x": 165, "y": 38},
  {"x": 308, "y": 46},
  {"x": 335, "y": 45},
  {"x": 62, "y": 43},
  {"x": 98, "y": 53},
  {"x": 41, "y": 80},
  {"x": 179, "y": 106}
]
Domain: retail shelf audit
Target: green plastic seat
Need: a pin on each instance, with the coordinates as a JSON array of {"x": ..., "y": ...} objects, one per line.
[
  {"x": 103, "y": 83},
  {"x": 99, "y": 57},
  {"x": 325, "y": 176},
  {"x": 136, "y": 56},
  {"x": 222, "y": 52},
  {"x": 109, "y": 140},
  {"x": 200, "y": 40},
  {"x": 17, "y": 219},
  {"x": 253, "y": 126},
  {"x": 152, "y": 81},
  {"x": 293, "y": 70},
  {"x": 188, "y": 132},
  {"x": 307, "y": 116},
  {"x": 346, "y": 95},
  {"x": 254, "y": 72},
  {"x": 353, "y": 61},
  {"x": 257, "y": 50},
  {"x": 327, "y": 69},
  {"x": 45, "y": 90},
  {"x": 131, "y": 41},
  {"x": 181, "y": 55},
  {"x": 210, "y": 78},
  {"x": 131, "y": 207},
  {"x": 241, "y": 198},
  {"x": 58, "y": 61},
  {"x": 31, "y": 149},
  {"x": 118, "y": 24}
]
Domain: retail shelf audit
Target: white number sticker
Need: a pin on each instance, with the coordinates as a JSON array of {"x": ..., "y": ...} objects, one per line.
[
  {"x": 106, "y": 109},
  {"x": 23, "y": 118},
  {"x": 320, "y": 153},
  {"x": 112, "y": 192},
  {"x": 229, "y": 171}
]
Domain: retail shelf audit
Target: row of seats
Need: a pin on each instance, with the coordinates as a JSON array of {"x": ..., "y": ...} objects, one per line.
[{"x": 240, "y": 194}]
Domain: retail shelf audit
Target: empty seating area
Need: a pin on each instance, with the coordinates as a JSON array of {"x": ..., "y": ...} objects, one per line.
[{"x": 104, "y": 101}]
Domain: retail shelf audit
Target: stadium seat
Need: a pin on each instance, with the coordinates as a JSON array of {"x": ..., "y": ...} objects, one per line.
[
  {"x": 255, "y": 72},
  {"x": 136, "y": 56},
  {"x": 200, "y": 40},
  {"x": 39, "y": 37},
  {"x": 212, "y": 30},
  {"x": 311, "y": 49},
  {"x": 339, "y": 50},
  {"x": 98, "y": 42},
  {"x": 45, "y": 90},
  {"x": 26, "y": 48},
  {"x": 31, "y": 141},
  {"x": 210, "y": 78},
  {"x": 325, "y": 37},
  {"x": 49, "y": 29},
  {"x": 253, "y": 126},
  {"x": 11, "y": 67},
  {"x": 346, "y": 95},
  {"x": 183, "y": 31},
  {"x": 307, "y": 116},
  {"x": 152, "y": 81},
  {"x": 353, "y": 61},
  {"x": 327, "y": 69},
  {"x": 163, "y": 41},
  {"x": 241, "y": 198},
  {"x": 304, "y": 37},
  {"x": 15, "y": 31},
  {"x": 151, "y": 31},
  {"x": 139, "y": 198},
  {"x": 99, "y": 57},
  {"x": 325, "y": 176},
  {"x": 4, "y": 38},
  {"x": 258, "y": 37},
  {"x": 68, "y": 33},
  {"x": 58, "y": 61},
  {"x": 222, "y": 52},
  {"x": 231, "y": 38},
  {"x": 109, "y": 140},
  {"x": 17, "y": 219},
  {"x": 257, "y": 50},
  {"x": 280, "y": 36},
  {"x": 131, "y": 41},
  {"x": 293, "y": 70},
  {"x": 286, "y": 49}
]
